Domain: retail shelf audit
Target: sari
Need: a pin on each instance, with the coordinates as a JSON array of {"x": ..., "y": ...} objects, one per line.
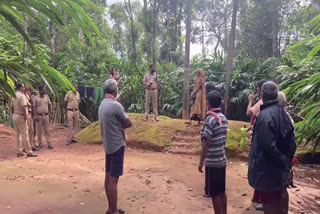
[{"x": 198, "y": 109}]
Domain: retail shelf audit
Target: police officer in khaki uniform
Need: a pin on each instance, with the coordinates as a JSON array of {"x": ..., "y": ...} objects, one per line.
[
  {"x": 71, "y": 102},
  {"x": 20, "y": 115},
  {"x": 30, "y": 105},
  {"x": 42, "y": 109}
]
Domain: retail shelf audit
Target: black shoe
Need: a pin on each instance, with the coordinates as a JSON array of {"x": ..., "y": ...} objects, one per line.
[
  {"x": 74, "y": 141},
  {"x": 32, "y": 155},
  {"x": 40, "y": 146},
  {"x": 20, "y": 154},
  {"x": 50, "y": 146},
  {"x": 34, "y": 149}
]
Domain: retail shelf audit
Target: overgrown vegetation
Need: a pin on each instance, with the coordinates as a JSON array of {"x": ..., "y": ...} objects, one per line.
[{"x": 60, "y": 42}]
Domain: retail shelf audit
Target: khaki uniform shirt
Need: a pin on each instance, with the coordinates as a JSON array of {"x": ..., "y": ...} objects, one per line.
[
  {"x": 29, "y": 103},
  {"x": 73, "y": 100},
  {"x": 19, "y": 103},
  {"x": 151, "y": 79},
  {"x": 41, "y": 104}
]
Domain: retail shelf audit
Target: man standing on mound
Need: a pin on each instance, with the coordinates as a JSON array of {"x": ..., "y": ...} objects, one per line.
[
  {"x": 213, "y": 155},
  {"x": 113, "y": 120},
  {"x": 150, "y": 83}
]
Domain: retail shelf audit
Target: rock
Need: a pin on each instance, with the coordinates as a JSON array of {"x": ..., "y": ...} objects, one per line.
[
  {"x": 190, "y": 190},
  {"x": 244, "y": 194},
  {"x": 86, "y": 190},
  {"x": 147, "y": 169},
  {"x": 81, "y": 203},
  {"x": 147, "y": 182},
  {"x": 248, "y": 208}
]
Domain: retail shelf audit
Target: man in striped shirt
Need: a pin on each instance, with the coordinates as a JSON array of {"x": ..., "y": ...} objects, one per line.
[{"x": 213, "y": 156}]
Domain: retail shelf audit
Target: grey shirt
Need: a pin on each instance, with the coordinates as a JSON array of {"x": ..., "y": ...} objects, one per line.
[{"x": 112, "y": 117}]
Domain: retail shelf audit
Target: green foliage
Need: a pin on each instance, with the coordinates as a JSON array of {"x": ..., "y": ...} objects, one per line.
[
  {"x": 14, "y": 12},
  {"x": 303, "y": 86}
]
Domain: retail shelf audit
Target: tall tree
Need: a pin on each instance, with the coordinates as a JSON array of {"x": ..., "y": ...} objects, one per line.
[
  {"x": 52, "y": 43},
  {"x": 231, "y": 53},
  {"x": 127, "y": 4},
  {"x": 186, "y": 84}
]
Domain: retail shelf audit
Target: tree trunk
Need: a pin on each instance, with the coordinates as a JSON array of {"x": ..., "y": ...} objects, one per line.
[
  {"x": 25, "y": 44},
  {"x": 129, "y": 11},
  {"x": 154, "y": 30},
  {"x": 231, "y": 53},
  {"x": 202, "y": 38},
  {"x": 52, "y": 42},
  {"x": 186, "y": 84}
]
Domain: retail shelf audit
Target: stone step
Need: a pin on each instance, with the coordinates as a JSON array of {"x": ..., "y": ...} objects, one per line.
[
  {"x": 183, "y": 151},
  {"x": 185, "y": 144},
  {"x": 191, "y": 139}
]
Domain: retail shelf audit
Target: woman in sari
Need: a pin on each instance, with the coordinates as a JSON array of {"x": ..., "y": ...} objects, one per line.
[{"x": 198, "y": 98}]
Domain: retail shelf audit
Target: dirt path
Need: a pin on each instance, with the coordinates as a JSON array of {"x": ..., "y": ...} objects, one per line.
[{"x": 70, "y": 180}]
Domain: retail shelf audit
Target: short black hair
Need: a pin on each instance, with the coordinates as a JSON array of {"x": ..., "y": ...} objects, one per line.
[
  {"x": 210, "y": 87},
  {"x": 260, "y": 83},
  {"x": 41, "y": 87},
  {"x": 214, "y": 99},
  {"x": 19, "y": 85}
]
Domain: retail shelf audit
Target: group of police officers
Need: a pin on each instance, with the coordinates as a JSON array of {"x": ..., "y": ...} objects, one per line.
[{"x": 33, "y": 112}]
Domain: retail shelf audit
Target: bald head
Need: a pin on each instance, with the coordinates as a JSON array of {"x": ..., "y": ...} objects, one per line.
[{"x": 269, "y": 91}]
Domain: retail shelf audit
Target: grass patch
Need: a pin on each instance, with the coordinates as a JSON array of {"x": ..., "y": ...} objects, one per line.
[
  {"x": 143, "y": 134},
  {"x": 158, "y": 135}
]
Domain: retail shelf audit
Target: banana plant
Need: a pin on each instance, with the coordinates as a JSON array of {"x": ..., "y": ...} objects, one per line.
[{"x": 13, "y": 12}]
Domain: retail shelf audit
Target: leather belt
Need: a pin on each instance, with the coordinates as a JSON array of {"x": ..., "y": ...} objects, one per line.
[
  {"x": 69, "y": 109},
  {"x": 43, "y": 114}
]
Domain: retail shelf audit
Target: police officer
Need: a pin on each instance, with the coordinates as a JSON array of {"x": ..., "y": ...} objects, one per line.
[
  {"x": 42, "y": 109},
  {"x": 20, "y": 115},
  {"x": 28, "y": 92},
  {"x": 71, "y": 102}
]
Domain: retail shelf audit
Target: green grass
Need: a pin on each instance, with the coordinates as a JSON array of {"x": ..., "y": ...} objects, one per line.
[{"x": 156, "y": 135}]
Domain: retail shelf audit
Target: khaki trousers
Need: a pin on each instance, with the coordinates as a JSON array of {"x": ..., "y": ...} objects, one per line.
[
  {"x": 43, "y": 121},
  {"x": 73, "y": 123},
  {"x": 30, "y": 130},
  {"x": 21, "y": 133},
  {"x": 152, "y": 95}
]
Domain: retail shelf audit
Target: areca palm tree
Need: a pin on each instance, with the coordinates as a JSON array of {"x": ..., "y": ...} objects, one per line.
[{"x": 13, "y": 11}]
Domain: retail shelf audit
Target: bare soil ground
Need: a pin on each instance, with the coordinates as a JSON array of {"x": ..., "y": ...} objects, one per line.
[{"x": 70, "y": 180}]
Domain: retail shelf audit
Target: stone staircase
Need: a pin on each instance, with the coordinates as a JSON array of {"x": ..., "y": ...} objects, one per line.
[{"x": 187, "y": 142}]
